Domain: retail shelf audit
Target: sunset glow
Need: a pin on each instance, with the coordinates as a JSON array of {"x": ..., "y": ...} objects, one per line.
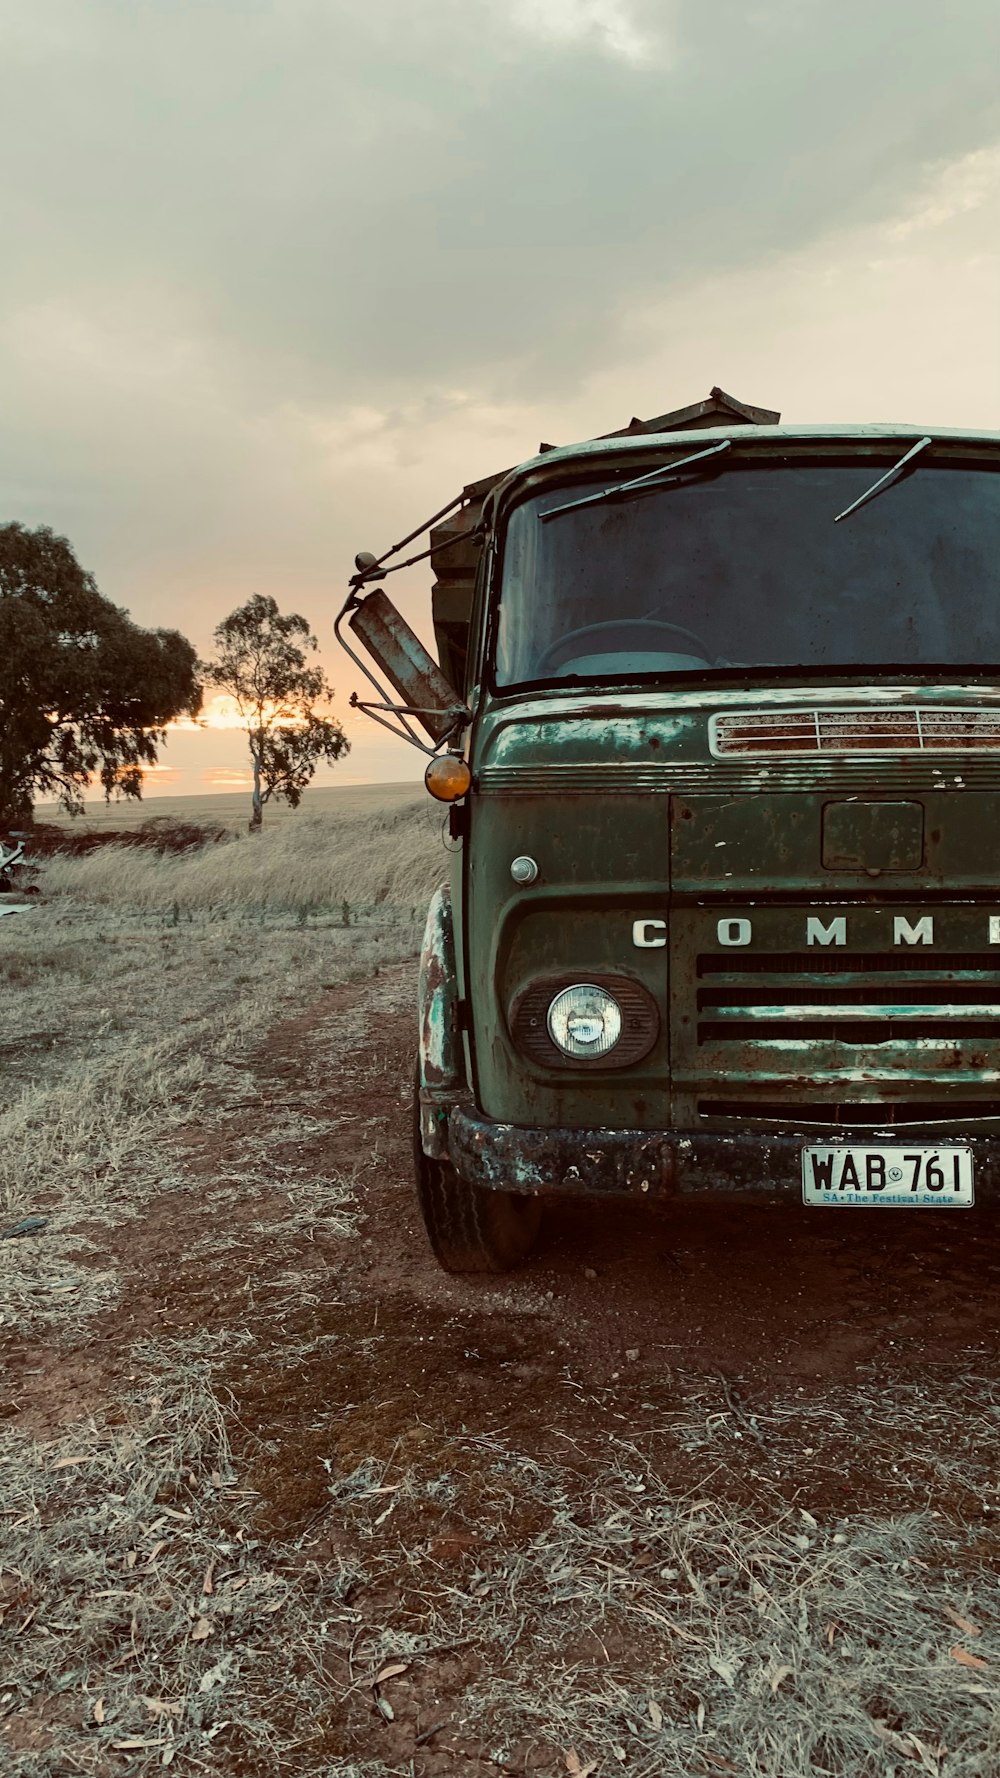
[
  {"x": 221, "y": 711},
  {"x": 160, "y": 776},
  {"x": 218, "y": 711},
  {"x": 223, "y": 778}
]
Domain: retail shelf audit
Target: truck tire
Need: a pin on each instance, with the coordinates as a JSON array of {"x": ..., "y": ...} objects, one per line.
[{"x": 471, "y": 1228}]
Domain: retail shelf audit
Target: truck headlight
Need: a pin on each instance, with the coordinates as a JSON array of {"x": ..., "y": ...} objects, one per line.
[
  {"x": 584, "y": 1021},
  {"x": 558, "y": 1023}
]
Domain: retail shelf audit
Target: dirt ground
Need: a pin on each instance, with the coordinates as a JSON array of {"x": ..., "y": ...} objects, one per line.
[{"x": 754, "y": 1359}]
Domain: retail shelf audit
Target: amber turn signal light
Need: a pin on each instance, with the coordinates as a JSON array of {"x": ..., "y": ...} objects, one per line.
[{"x": 447, "y": 778}]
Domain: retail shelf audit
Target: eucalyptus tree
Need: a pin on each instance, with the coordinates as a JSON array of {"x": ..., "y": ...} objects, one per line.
[
  {"x": 262, "y": 663},
  {"x": 85, "y": 693}
]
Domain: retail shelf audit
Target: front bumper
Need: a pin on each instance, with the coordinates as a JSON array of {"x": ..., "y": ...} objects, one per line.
[{"x": 634, "y": 1163}]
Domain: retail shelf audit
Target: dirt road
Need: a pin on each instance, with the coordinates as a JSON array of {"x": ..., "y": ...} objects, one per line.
[{"x": 404, "y": 1432}]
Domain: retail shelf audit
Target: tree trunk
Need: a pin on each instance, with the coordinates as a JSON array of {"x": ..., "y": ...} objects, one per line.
[
  {"x": 257, "y": 818},
  {"x": 16, "y": 805}
]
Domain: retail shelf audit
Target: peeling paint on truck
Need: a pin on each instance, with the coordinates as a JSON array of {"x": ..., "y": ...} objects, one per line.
[{"x": 441, "y": 1074}]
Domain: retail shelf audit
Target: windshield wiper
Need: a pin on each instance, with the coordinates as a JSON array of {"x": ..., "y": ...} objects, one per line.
[
  {"x": 640, "y": 483},
  {"x": 884, "y": 481}
]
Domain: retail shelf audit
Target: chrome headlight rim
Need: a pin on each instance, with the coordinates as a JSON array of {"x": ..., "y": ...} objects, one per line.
[{"x": 571, "y": 1002}]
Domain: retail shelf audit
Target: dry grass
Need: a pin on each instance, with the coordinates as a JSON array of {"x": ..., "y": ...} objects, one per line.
[
  {"x": 124, "y": 1021},
  {"x": 609, "y": 1623},
  {"x": 147, "y": 1620},
  {"x": 231, "y": 808},
  {"x": 136, "y": 1026},
  {"x": 364, "y": 860},
  {"x": 612, "y": 1624},
  {"x": 656, "y": 1635},
  {"x": 135, "y": 988}
]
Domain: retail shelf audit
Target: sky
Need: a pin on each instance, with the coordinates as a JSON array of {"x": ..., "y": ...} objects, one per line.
[{"x": 278, "y": 277}]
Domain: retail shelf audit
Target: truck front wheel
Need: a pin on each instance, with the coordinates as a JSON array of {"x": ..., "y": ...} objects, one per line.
[{"x": 471, "y": 1228}]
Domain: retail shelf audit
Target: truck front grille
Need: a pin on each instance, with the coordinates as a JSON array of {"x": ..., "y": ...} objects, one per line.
[
  {"x": 899, "y": 729},
  {"x": 859, "y": 1000}
]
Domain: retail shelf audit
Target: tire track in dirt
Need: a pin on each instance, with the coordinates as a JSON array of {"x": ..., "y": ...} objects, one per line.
[{"x": 631, "y": 1300}]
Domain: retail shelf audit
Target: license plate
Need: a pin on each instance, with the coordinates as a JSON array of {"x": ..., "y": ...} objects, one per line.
[{"x": 904, "y": 1178}]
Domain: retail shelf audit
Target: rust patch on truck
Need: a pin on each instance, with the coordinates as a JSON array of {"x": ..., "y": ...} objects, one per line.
[{"x": 440, "y": 1060}]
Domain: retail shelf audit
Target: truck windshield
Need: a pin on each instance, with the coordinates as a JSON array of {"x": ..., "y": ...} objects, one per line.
[{"x": 747, "y": 570}]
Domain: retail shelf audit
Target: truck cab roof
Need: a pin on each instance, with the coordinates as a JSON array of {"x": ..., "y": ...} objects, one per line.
[{"x": 618, "y": 449}]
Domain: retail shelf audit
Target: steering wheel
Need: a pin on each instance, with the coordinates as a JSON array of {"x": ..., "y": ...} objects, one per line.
[{"x": 617, "y": 625}]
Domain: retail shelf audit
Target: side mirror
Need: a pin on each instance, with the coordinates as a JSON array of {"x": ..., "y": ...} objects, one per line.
[{"x": 412, "y": 672}]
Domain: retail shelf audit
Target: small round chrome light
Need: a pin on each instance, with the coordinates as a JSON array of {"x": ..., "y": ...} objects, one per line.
[
  {"x": 584, "y": 1021},
  {"x": 524, "y": 869}
]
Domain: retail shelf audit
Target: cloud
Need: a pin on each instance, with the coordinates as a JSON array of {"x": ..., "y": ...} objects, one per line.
[
  {"x": 348, "y": 198},
  {"x": 970, "y": 183},
  {"x": 223, "y": 778},
  {"x": 157, "y": 778},
  {"x": 280, "y": 275},
  {"x": 609, "y": 25}
]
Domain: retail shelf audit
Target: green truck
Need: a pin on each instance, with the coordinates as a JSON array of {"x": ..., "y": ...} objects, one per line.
[{"x": 717, "y": 714}]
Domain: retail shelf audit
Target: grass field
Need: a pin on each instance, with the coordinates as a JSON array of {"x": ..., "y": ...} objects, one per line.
[
  {"x": 363, "y": 857},
  {"x": 232, "y": 808},
  {"x": 277, "y": 1497},
  {"x": 133, "y": 994}
]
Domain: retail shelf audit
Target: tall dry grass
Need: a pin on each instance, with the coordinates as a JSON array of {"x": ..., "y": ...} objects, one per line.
[{"x": 392, "y": 857}]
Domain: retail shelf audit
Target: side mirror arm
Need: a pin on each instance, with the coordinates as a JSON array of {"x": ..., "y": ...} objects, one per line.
[{"x": 452, "y": 718}]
